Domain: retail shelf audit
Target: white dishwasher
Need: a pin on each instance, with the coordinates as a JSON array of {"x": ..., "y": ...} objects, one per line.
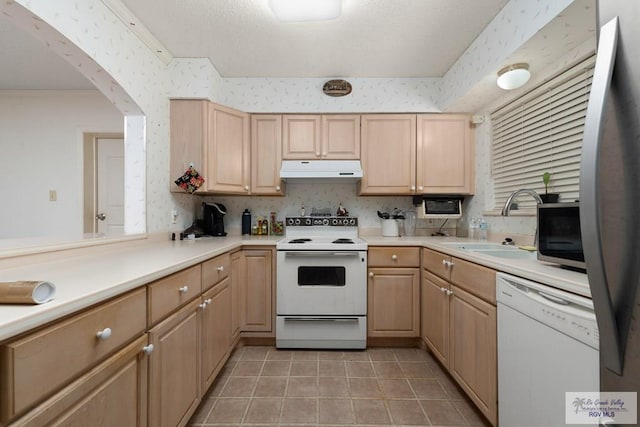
[{"x": 547, "y": 345}]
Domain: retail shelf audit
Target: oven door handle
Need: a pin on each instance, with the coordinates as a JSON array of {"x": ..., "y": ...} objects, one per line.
[
  {"x": 320, "y": 319},
  {"x": 321, "y": 253}
]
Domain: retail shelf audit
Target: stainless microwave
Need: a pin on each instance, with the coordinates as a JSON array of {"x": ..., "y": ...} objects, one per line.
[{"x": 559, "y": 236}]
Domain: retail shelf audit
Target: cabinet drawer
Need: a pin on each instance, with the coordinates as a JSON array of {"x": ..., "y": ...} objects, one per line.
[
  {"x": 474, "y": 278},
  {"x": 215, "y": 270},
  {"x": 389, "y": 256},
  {"x": 38, "y": 364},
  {"x": 173, "y": 291},
  {"x": 436, "y": 262}
]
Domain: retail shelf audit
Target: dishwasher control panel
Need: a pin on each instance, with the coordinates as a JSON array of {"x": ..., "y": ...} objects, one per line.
[{"x": 565, "y": 312}]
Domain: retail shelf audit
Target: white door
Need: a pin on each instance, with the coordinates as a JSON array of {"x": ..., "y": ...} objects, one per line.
[{"x": 110, "y": 186}]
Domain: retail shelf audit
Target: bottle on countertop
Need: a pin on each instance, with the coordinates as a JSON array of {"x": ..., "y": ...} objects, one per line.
[
  {"x": 246, "y": 222},
  {"x": 473, "y": 228},
  {"x": 483, "y": 229},
  {"x": 265, "y": 227}
]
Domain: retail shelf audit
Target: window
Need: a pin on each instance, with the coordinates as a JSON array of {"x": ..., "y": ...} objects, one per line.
[{"x": 542, "y": 132}]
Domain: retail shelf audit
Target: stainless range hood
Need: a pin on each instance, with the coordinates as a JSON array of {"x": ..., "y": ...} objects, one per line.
[{"x": 307, "y": 171}]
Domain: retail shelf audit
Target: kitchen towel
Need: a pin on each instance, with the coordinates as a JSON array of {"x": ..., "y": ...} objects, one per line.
[
  {"x": 26, "y": 292},
  {"x": 190, "y": 181}
]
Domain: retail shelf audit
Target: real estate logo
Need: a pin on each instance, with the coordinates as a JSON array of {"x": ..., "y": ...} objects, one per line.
[{"x": 601, "y": 407}]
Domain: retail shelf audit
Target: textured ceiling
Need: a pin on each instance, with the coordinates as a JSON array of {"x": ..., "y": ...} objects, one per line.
[{"x": 372, "y": 38}]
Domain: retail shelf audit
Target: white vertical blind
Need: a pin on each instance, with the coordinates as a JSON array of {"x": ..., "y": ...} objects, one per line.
[{"x": 542, "y": 132}]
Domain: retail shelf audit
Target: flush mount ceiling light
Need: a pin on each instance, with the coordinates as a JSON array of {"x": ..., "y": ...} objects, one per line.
[
  {"x": 306, "y": 10},
  {"x": 513, "y": 76}
]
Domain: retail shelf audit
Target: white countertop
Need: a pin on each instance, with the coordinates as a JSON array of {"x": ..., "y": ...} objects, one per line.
[{"x": 97, "y": 274}]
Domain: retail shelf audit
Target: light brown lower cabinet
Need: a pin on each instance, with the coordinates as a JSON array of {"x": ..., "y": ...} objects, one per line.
[
  {"x": 393, "y": 302},
  {"x": 435, "y": 316},
  {"x": 114, "y": 393},
  {"x": 174, "y": 367},
  {"x": 215, "y": 331},
  {"x": 236, "y": 279},
  {"x": 256, "y": 292}
]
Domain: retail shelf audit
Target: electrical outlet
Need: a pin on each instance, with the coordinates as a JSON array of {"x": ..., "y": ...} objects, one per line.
[
  {"x": 174, "y": 216},
  {"x": 53, "y": 195}
]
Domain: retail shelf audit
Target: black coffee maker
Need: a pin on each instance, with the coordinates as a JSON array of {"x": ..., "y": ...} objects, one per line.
[{"x": 213, "y": 223}]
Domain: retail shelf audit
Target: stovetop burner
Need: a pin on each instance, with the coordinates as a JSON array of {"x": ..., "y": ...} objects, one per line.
[
  {"x": 303, "y": 240},
  {"x": 344, "y": 241}
]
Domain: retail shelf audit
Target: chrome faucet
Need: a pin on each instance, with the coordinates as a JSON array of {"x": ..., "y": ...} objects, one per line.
[{"x": 507, "y": 205}]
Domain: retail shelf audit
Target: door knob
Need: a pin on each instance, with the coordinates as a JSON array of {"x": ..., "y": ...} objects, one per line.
[{"x": 101, "y": 216}]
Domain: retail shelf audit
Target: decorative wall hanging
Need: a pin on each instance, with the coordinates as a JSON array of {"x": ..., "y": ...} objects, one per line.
[
  {"x": 337, "y": 88},
  {"x": 190, "y": 181}
]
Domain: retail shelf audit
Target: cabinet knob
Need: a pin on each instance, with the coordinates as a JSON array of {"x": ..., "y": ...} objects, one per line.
[
  {"x": 413, "y": 188},
  {"x": 449, "y": 292},
  {"x": 148, "y": 349},
  {"x": 420, "y": 188},
  {"x": 324, "y": 154},
  {"x": 443, "y": 290},
  {"x": 317, "y": 154},
  {"x": 394, "y": 257},
  {"x": 220, "y": 268},
  {"x": 184, "y": 289},
  {"x": 246, "y": 188},
  {"x": 277, "y": 188},
  {"x": 104, "y": 334},
  {"x": 203, "y": 305},
  {"x": 371, "y": 274},
  {"x": 207, "y": 301},
  {"x": 447, "y": 263}
]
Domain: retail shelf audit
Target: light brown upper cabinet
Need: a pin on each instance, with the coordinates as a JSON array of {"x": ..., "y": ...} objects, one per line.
[
  {"x": 313, "y": 136},
  {"x": 215, "y": 140},
  {"x": 388, "y": 154},
  {"x": 444, "y": 154},
  {"x": 266, "y": 154}
]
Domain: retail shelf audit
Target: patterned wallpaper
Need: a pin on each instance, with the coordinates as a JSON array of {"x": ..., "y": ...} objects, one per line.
[{"x": 132, "y": 77}]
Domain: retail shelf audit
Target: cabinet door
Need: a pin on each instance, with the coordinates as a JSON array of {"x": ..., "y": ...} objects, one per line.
[
  {"x": 266, "y": 154},
  {"x": 340, "y": 137},
  {"x": 435, "y": 316},
  {"x": 114, "y": 393},
  {"x": 227, "y": 151},
  {"x": 256, "y": 291},
  {"x": 393, "y": 302},
  {"x": 301, "y": 137},
  {"x": 444, "y": 154},
  {"x": 174, "y": 368},
  {"x": 473, "y": 349},
  {"x": 216, "y": 330},
  {"x": 189, "y": 132},
  {"x": 237, "y": 278},
  {"x": 388, "y": 154}
]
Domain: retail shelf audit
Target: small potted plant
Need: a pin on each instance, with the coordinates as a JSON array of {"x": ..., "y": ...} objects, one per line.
[{"x": 548, "y": 197}]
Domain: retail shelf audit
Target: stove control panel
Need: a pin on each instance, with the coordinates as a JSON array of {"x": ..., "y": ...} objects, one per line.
[{"x": 333, "y": 221}]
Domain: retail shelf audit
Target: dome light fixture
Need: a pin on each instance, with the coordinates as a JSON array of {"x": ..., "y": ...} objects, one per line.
[
  {"x": 513, "y": 76},
  {"x": 305, "y": 10}
]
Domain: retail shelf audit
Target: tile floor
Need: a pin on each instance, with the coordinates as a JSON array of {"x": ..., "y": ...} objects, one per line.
[{"x": 379, "y": 386}]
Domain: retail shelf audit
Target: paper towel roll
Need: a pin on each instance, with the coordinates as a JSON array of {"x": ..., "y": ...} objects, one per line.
[{"x": 26, "y": 292}]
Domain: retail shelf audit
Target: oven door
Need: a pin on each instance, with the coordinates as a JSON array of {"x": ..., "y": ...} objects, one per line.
[{"x": 321, "y": 283}]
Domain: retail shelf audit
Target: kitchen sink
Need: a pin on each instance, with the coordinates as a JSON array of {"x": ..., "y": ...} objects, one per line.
[{"x": 494, "y": 249}]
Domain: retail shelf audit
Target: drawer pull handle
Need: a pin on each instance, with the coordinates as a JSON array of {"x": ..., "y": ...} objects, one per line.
[
  {"x": 104, "y": 334},
  {"x": 394, "y": 257},
  {"x": 148, "y": 349},
  {"x": 220, "y": 268},
  {"x": 184, "y": 289}
]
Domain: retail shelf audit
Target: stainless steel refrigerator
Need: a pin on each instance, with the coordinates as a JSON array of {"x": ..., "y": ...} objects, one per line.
[{"x": 610, "y": 193}]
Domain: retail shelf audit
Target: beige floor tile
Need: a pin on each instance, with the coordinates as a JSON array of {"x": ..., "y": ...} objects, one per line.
[
  {"x": 302, "y": 387},
  {"x": 255, "y": 353},
  {"x": 427, "y": 388},
  {"x": 470, "y": 413},
  {"x": 227, "y": 368},
  {"x": 299, "y": 410},
  {"x": 271, "y": 387},
  {"x": 277, "y": 354},
  {"x": 364, "y": 387},
  {"x": 388, "y": 370},
  {"x": 406, "y": 412},
  {"x": 305, "y": 355},
  {"x": 263, "y": 410},
  {"x": 443, "y": 413},
  {"x": 305, "y": 368},
  {"x": 247, "y": 369},
  {"x": 357, "y": 355},
  {"x": 409, "y": 354},
  {"x": 331, "y": 368},
  {"x": 333, "y": 387},
  {"x": 335, "y": 411},
  {"x": 371, "y": 411},
  {"x": 276, "y": 368},
  {"x": 331, "y": 355},
  {"x": 381, "y": 354},
  {"x": 217, "y": 386},
  {"x": 396, "y": 389},
  {"x": 416, "y": 370},
  {"x": 239, "y": 387},
  {"x": 453, "y": 390},
  {"x": 236, "y": 354},
  {"x": 360, "y": 369},
  {"x": 201, "y": 414},
  {"x": 228, "y": 410}
]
